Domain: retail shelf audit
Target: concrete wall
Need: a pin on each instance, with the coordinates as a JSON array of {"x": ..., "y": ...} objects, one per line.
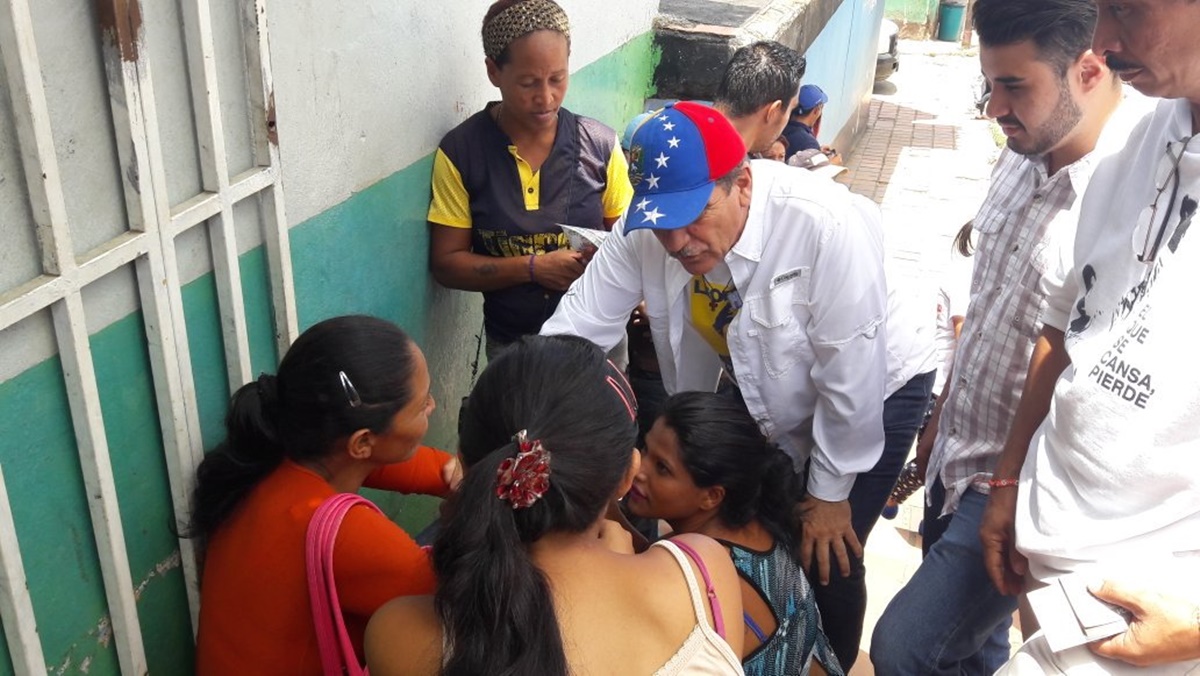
[
  {"x": 364, "y": 90},
  {"x": 838, "y": 37},
  {"x": 841, "y": 61}
]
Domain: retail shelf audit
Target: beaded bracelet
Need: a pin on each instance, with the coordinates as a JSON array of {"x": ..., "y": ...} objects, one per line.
[
  {"x": 1003, "y": 483},
  {"x": 531, "y": 277}
]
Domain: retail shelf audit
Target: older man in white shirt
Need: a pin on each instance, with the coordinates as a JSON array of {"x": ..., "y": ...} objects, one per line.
[{"x": 766, "y": 271}]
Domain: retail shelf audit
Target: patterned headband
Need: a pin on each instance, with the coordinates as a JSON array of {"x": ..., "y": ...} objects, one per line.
[{"x": 522, "y": 19}]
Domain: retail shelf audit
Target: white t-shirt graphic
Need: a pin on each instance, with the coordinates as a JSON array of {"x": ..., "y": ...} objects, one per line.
[{"x": 1113, "y": 475}]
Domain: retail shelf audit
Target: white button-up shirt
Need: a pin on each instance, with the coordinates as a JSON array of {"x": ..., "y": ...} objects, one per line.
[{"x": 809, "y": 344}]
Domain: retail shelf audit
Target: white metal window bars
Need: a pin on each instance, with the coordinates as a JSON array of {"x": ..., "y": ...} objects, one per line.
[{"x": 149, "y": 245}]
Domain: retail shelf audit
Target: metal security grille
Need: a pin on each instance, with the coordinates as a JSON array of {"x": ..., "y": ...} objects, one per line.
[{"x": 148, "y": 244}]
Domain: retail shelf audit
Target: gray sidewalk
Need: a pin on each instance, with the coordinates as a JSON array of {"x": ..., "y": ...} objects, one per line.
[{"x": 926, "y": 159}]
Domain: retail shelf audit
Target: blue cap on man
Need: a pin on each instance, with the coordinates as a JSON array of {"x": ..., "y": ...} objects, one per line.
[
  {"x": 675, "y": 158},
  {"x": 811, "y": 96}
]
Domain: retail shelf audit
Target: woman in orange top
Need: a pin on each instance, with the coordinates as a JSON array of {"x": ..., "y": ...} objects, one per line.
[{"x": 347, "y": 409}]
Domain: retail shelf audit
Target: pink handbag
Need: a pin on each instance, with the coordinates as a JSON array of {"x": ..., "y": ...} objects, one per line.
[{"x": 337, "y": 651}]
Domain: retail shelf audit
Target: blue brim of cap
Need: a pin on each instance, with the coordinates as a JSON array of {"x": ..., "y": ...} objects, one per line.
[{"x": 666, "y": 211}]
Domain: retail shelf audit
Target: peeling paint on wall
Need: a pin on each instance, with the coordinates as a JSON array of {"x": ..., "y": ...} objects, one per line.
[
  {"x": 110, "y": 14},
  {"x": 272, "y": 130},
  {"x": 101, "y": 637},
  {"x": 161, "y": 568}
]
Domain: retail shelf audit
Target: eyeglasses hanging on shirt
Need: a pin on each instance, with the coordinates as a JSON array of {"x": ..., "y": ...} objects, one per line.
[{"x": 1146, "y": 237}]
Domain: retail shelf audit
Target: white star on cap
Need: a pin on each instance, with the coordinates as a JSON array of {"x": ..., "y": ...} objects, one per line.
[
  {"x": 653, "y": 181},
  {"x": 653, "y": 216},
  {"x": 661, "y": 160},
  {"x": 673, "y": 142},
  {"x": 669, "y": 126},
  {"x": 641, "y": 206},
  {"x": 663, "y": 117}
]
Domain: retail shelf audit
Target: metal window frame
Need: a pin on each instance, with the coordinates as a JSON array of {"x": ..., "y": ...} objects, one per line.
[{"x": 149, "y": 246}]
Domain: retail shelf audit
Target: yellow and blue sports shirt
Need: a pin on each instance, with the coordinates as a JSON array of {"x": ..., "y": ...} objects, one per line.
[{"x": 481, "y": 182}]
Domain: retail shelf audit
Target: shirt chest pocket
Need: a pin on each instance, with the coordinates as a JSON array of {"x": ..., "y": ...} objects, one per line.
[
  {"x": 990, "y": 219},
  {"x": 989, "y": 231},
  {"x": 777, "y": 324}
]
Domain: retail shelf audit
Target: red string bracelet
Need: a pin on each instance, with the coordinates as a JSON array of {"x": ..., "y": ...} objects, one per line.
[{"x": 1003, "y": 483}]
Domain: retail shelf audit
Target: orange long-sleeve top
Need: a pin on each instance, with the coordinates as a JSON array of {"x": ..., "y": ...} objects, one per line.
[{"x": 255, "y": 616}]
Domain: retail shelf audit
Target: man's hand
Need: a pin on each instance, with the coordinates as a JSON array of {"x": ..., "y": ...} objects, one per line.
[
  {"x": 997, "y": 531},
  {"x": 825, "y": 527},
  {"x": 588, "y": 252},
  {"x": 833, "y": 155},
  {"x": 452, "y": 474},
  {"x": 1163, "y": 629},
  {"x": 557, "y": 269}
]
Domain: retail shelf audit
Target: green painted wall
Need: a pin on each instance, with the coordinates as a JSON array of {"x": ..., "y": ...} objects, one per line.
[
  {"x": 614, "y": 88},
  {"x": 365, "y": 255},
  {"x": 910, "y": 11}
]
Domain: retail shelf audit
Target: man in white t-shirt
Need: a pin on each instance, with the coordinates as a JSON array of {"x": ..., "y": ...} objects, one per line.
[{"x": 1110, "y": 481}]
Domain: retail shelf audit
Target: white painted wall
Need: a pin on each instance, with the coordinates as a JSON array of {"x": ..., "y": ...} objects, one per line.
[{"x": 364, "y": 90}]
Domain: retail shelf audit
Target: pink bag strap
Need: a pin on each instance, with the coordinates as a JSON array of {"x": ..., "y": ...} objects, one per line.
[
  {"x": 337, "y": 651},
  {"x": 713, "y": 602}
]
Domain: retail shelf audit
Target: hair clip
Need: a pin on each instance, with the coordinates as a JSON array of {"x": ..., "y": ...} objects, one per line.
[
  {"x": 524, "y": 479},
  {"x": 351, "y": 392}
]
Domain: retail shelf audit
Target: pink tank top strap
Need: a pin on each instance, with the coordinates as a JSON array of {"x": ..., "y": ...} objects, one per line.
[{"x": 713, "y": 602}]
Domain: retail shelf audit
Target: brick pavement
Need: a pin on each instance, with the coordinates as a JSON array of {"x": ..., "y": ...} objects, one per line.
[{"x": 926, "y": 159}]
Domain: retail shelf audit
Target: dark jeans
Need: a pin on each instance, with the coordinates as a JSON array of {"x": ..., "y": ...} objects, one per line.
[
  {"x": 949, "y": 619},
  {"x": 843, "y": 602}
]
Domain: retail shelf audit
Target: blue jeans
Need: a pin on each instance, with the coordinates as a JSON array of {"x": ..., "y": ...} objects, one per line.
[
  {"x": 843, "y": 602},
  {"x": 949, "y": 618}
]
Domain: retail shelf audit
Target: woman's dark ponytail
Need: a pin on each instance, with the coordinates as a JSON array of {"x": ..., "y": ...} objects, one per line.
[
  {"x": 778, "y": 495},
  {"x": 304, "y": 410},
  {"x": 495, "y": 605},
  {"x": 249, "y": 453}
]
